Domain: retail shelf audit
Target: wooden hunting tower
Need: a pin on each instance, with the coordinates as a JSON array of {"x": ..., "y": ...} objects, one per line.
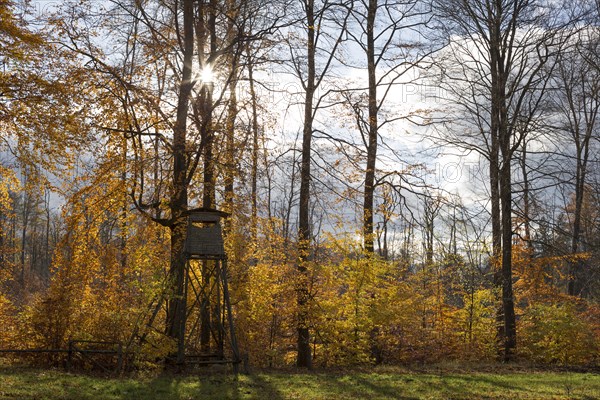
[
  {"x": 204, "y": 236},
  {"x": 209, "y": 319}
]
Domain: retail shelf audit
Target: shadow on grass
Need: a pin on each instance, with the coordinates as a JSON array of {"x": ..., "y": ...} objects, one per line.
[
  {"x": 368, "y": 389},
  {"x": 23, "y": 384},
  {"x": 38, "y": 384},
  {"x": 263, "y": 388},
  {"x": 467, "y": 386},
  {"x": 202, "y": 386},
  {"x": 208, "y": 386},
  {"x": 454, "y": 386}
]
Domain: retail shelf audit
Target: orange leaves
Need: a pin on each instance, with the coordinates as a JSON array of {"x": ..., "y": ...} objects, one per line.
[
  {"x": 553, "y": 327},
  {"x": 14, "y": 36},
  {"x": 541, "y": 278}
]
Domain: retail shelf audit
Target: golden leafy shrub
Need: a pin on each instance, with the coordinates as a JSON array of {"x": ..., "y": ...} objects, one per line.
[{"x": 557, "y": 333}]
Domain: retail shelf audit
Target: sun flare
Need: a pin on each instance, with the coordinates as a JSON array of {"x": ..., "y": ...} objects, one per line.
[{"x": 206, "y": 75}]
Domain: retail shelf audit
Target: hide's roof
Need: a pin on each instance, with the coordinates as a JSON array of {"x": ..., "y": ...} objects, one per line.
[{"x": 206, "y": 210}]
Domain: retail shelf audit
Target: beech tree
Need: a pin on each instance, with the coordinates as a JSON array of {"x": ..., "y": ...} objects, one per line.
[
  {"x": 117, "y": 97},
  {"x": 577, "y": 103},
  {"x": 321, "y": 29},
  {"x": 496, "y": 71},
  {"x": 388, "y": 35},
  {"x": 41, "y": 128},
  {"x": 158, "y": 79}
]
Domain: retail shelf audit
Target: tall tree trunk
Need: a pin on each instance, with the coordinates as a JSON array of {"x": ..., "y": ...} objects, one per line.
[
  {"x": 25, "y": 225},
  {"x": 176, "y": 311},
  {"x": 526, "y": 201},
  {"x": 494, "y": 154},
  {"x": 431, "y": 209},
  {"x": 496, "y": 179},
  {"x": 575, "y": 239},
  {"x": 47, "y": 256},
  {"x": 255, "y": 150},
  {"x": 123, "y": 218},
  {"x": 504, "y": 139},
  {"x": 232, "y": 111},
  {"x": 373, "y": 131},
  {"x": 207, "y": 133},
  {"x": 304, "y": 358},
  {"x": 230, "y": 148},
  {"x": 508, "y": 306}
]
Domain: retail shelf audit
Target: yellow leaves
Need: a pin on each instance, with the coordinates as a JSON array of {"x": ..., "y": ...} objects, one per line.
[
  {"x": 106, "y": 269},
  {"x": 540, "y": 278},
  {"x": 7, "y": 313},
  {"x": 10, "y": 183},
  {"x": 475, "y": 324},
  {"x": 14, "y": 37},
  {"x": 39, "y": 96},
  {"x": 557, "y": 333},
  {"x": 551, "y": 326},
  {"x": 357, "y": 300},
  {"x": 265, "y": 307}
]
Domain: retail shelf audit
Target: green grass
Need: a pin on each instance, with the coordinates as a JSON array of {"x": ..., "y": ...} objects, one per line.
[{"x": 380, "y": 383}]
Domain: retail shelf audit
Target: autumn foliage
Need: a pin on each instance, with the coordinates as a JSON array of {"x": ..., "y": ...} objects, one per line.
[
  {"x": 100, "y": 162},
  {"x": 363, "y": 310}
]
